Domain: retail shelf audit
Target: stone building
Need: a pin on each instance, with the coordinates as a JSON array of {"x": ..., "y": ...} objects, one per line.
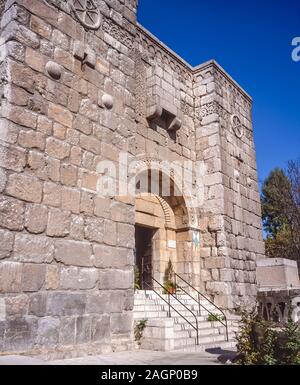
[{"x": 82, "y": 82}]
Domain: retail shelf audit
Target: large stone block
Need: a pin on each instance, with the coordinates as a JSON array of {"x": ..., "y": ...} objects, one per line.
[
  {"x": 33, "y": 248},
  {"x": 125, "y": 235},
  {"x": 6, "y": 243},
  {"x": 48, "y": 331},
  {"x": 121, "y": 323},
  {"x": 100, "y": 328},
  {"x": 25, "y": 187},
  {"x": 58, "y": 223},
  {"x": 10, "y": 277},
  {"x": 11, "y": 213},
  {"x": 74, "y": 253},
  {"x": 83, "y": 329},
  {"x": 20, "y": 334},
  {"x": 16, "y": 306},
  {"x": 106, "y": 302},
  {"x": 112, "y": 257},
  {"x": 115, "y": 279},
  {"x": 277, "y": 273},
  {"x": 67, "y": 330},
  {"x": 36, "y": 218},
  {"x": 66, "y": 303},
  {"x": 33, "y": 277},
  {"x": 76, "y": 278},
  {"x": 38, "y": 304},
  {"x": 94, "y": 229}
]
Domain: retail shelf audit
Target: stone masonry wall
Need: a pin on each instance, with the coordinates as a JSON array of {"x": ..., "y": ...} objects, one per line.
[
  {"x": 75, "y": 92},
  {"x": 66, "y": 277},
  {"x": 231, "y": 218}
]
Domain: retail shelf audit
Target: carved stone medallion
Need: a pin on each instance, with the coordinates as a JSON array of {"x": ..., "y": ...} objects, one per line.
[
  {"x": 237, "y": 126},
  {"x": 87, "y": 13}
]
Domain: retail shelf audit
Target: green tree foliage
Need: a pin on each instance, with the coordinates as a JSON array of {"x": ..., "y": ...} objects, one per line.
[{"x": 281, "y": 212}]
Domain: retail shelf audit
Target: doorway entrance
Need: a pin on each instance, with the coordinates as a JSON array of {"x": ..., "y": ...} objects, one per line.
[{"x": 144, "y": 255}]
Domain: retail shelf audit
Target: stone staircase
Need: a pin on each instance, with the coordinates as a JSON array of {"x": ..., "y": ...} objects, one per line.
[{"x": 149, "y": 306}]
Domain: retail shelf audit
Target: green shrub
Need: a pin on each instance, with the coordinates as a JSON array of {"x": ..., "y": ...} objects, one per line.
[
  {"x": 138, "y": 330},
  {"x": 215, "y": 317},
  {"x": 263, "y": 343}
]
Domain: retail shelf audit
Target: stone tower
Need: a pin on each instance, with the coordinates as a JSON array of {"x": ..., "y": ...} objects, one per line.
[{"x": 81, "y": 83}]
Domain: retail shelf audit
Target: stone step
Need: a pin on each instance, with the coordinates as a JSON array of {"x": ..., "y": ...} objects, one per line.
[
  {"x": 194, "y": 306},
  {"x": 203, "y": 347},
  {"x": 209, "y": 339},
  {"x": 192, "y": 333},
  {"x": 202, "y": 325}
]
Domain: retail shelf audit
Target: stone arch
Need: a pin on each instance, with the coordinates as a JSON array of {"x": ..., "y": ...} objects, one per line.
[
  {"x": 175, "y": 236},
  {"x": 152, "y": 162}
]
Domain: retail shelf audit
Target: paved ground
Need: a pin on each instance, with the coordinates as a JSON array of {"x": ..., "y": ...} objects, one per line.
[{"x": 130, "y": 358}]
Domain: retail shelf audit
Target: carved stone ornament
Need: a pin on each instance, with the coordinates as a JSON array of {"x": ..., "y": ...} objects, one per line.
[
  {"x": 237, "y": 126},
  {"x": 54, "y": 70},
  {"x": 87, "y": 13}
]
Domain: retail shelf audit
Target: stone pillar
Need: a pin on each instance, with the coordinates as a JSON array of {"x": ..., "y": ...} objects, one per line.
[{"x": 67, "y": 98}]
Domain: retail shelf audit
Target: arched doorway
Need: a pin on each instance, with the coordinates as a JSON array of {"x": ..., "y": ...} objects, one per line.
[{"x": 163, "y": 234}]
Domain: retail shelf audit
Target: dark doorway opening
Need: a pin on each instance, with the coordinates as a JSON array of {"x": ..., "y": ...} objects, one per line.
[{"x": 143, "y": 255}]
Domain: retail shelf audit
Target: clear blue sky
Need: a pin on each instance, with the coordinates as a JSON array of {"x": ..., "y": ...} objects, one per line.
[{"x": 252, "y": 41}]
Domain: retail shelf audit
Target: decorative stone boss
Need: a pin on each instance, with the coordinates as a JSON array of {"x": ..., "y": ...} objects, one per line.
[{"x": 85, "y": 11}]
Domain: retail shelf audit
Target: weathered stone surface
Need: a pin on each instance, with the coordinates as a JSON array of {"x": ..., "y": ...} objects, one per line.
[
  {"x": 25, "y": 187},
  {"x": 74, "y": 253},
  {"x": 106, "y": 302},
  {"x": 52, "y": 277},
  {"x": 11, "y": 213},
  {"x": 77, "y": 228},
  {"x": 33, "y": 277},
  {"x": 111, "y": 257},
  {"x": 58, "y": 223},
  {"x": 63, "y": 304},
  {"x": 16, "y": 306},
  {"x": 57, "y": 148},
  {"x": 67, "y": 331},
  {"x": 6, "y": 243},
  {"x": 36, "y": 218},
  {"x": 10, "y": 277},
  {"x": 83, "y": 329},
  {"x": 20, "y": 334},
  {"x": 38, "y": 304},
  {"x": 76, "y": 278},
  {"x": 125, "y": 235},
  {"x": 94, "y": 229},
  {"x": 121, "y": 323},
  {"x": 52, "y": 194},
  {"x": 115, "y": 279},
  {"x": 12, "y": 158},
  {"x": 48, "y": 331},
  {"x": 33, "y": 248},
  {"x": 71, "y": 200},
  {"x": 100, "y": 328},
  {"x": 60, "y": 115}
]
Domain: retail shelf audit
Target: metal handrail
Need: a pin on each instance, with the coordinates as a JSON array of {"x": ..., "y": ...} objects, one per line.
[
  {"x": 171, "y": 307},
  {"x": 225, "y": 324}
]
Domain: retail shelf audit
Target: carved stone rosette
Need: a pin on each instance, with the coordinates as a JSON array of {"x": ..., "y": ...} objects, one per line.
[{"x": 85, "y": 11}]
